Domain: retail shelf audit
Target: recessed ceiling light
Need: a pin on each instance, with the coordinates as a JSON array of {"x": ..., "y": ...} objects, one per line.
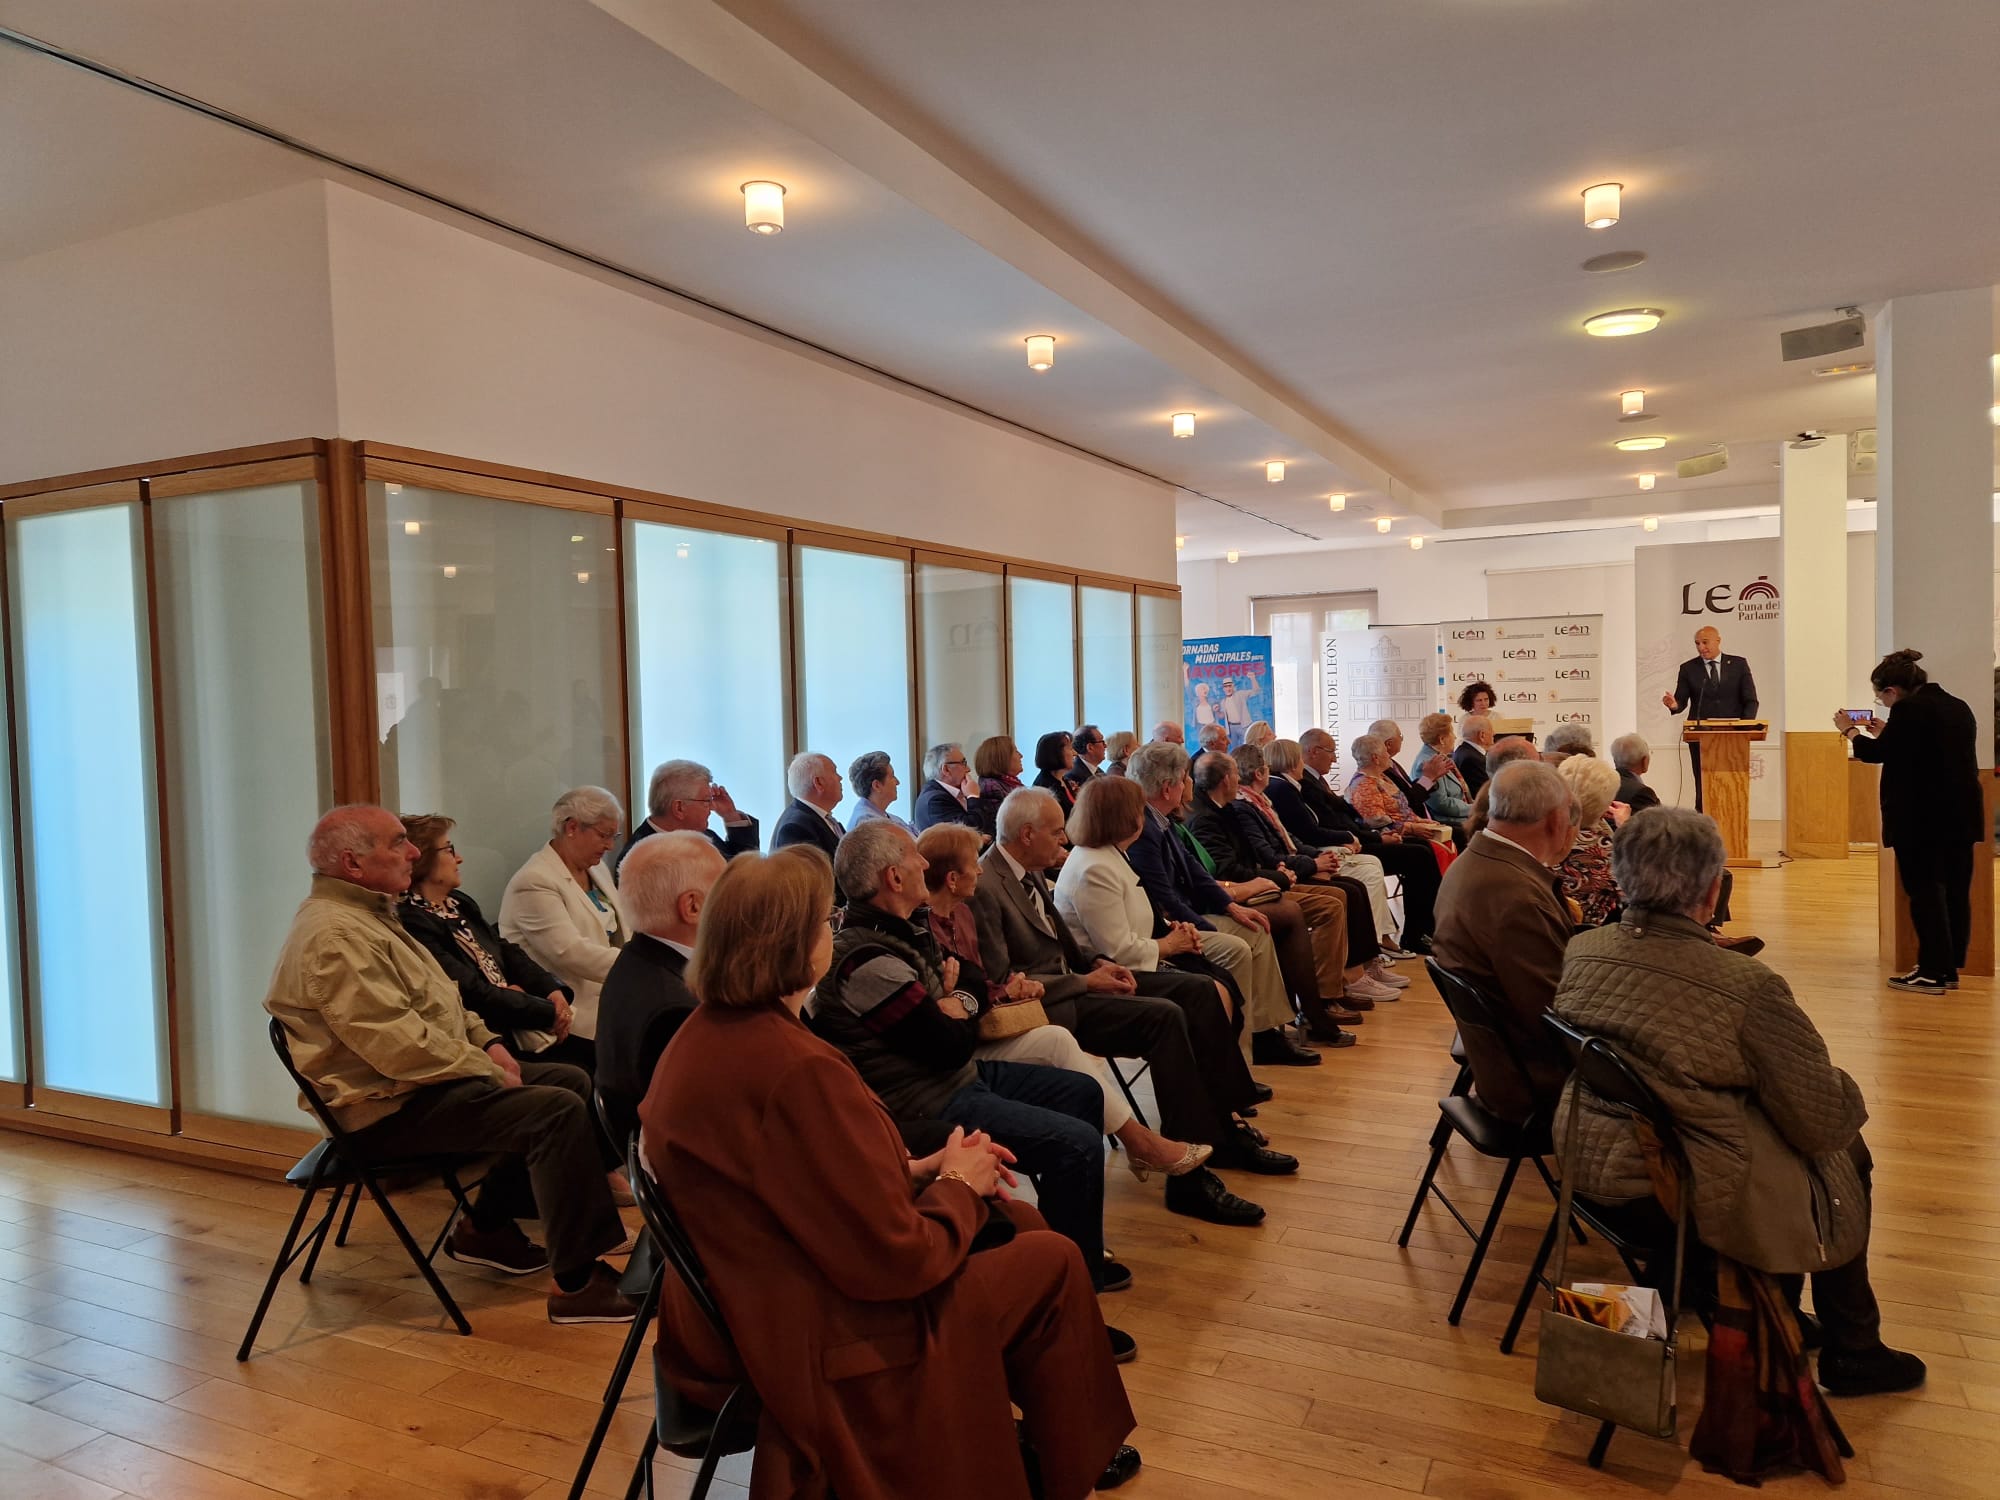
[
  {"x": 583, "y": 578},
  {"x": 1615, "y": 260},
  {"x": 1041, "y": 350},
  {"x": 413, "y": 528},
  {"x": 576, "y": 536},
  {"x": 1651, "y": 523},
  {"x": 1183, "y": 424},
  {"x": 1996, "y": 416},
  {"x": 764, "y": 207},
  {"x": 1231, "y": 554},
  {"x": 1336, "y": 503},
  {"x": 450, "y": 571},
  {"x": 1416, "y": 544},
  {"x": 1860, "y": 367},
  {"x": 1383, "y": 523},
  {"x": 392, "y": 489},
  {"x": 1640, "y": 444},
  {"x": 1600, "y": 204},
  {"x": 1179, "y": 543},
  {"x": 1632, "y": 403},
  {"x": 1274, "y": 471},
  {"x": 1623, "y": 322},
  {"x": 1646, "y": 481}
]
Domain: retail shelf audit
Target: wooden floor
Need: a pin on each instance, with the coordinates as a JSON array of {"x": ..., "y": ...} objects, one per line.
[{"x": 1307, "y": 1358}]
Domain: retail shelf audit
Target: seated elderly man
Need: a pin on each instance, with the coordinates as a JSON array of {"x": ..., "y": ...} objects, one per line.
[
  {"x": 814, "y": 782},
  {"x": 1568, "y": 739},
  {"x": 1281, "y": 791},
  {"x": 645, "y": 996},
  {"x": 1502, "y": 923},
  {"x": 1506, "y": 752},
  {"x": 1173, "y": 870},
  {"x": 1632, "y": 758},
  {"x": 892, "y": 1002},
  {"x": 1412, "y": 863},
  {"x": 683, "y": 795},
  {"x": 948, "y": 790},
  {"x": 872, "y": 777},
  {"x": 1213, "y": 739},
  {"x": 1170, "y": 1018},
  {"x": 1168, "y": 732},
  {"x": 1771, "y": 1128},
  {"x": 1475, "y": 738},
  {"x": 380, "y": 1034}
]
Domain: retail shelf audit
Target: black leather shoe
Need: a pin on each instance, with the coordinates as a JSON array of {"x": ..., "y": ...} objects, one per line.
[
  {"x": 1124, "y": 1464},
  {"x": 1875, "y": 1373},
  {"x": 1113, "y": 1277},
  {"x": 1243, "y": 1153},
  {"x": 1274, "y": 1049},
  {"x": 1124, "y": 1348},
  {"x": 1262, "y": 1092},
  {"x": 1417, "y": 945},
  {"x": 1201, "y": 1195}
]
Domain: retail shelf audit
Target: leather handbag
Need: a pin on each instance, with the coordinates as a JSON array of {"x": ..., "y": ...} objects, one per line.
[{"x": 1010, "y": 1018}]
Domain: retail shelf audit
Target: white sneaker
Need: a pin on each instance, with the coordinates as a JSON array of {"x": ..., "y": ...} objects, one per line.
[
  {"x": 1379, "y": 971},
  {"x": 1395, "y": 955},
  {"x": 1369, "y": 988}
]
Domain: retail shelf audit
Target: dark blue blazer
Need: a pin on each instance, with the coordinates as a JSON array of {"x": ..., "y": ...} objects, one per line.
[
  {"x": 800, "y": 824},
  {"x": 935, "y": 804},
  {"x": 1179, "y": 886},
  {"x": 1734, "y": 697}
]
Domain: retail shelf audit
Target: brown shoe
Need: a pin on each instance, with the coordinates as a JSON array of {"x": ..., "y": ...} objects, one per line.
[
  {"x": 1353, "y": 1001},
  {"x": 503, "y": 1249},
  {"x": 1749, "y": 947},
  {"x": 1339, "y": 1012},
  {"x": 599, "y": 1301}
]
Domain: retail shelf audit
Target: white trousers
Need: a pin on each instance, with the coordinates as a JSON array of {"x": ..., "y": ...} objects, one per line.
[{"x": 1054, "y": 1047}]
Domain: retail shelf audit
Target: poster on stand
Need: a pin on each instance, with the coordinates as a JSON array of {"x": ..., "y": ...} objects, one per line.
[
  {"x": 1383, "y": 672},
  {"x": 1679, "y": 588},
  {"x": 1547, "y": 669},
  {"x": 1227, "y": 681}
]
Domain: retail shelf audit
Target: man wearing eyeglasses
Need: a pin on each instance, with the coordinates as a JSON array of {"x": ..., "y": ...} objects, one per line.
[
  {"x": 681, "y": 797},
  {"x": 947, "y": 796},
  {"x": 1089, "y": 743}
]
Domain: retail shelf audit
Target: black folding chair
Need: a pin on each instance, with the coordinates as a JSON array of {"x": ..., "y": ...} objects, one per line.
[
  {"x": 334, "y": 1164},
  {"x": 643, "y": 1277},
  {"x": 1488, "y": 1133},
  {"x": 1125, "y": 1087},
  {"x": 679, "y": 1425}
]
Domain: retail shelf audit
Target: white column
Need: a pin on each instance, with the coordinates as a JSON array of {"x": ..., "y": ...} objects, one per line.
[
  {"x": 1812, "y": 505},
  {"x": 1934, "y": 550}
]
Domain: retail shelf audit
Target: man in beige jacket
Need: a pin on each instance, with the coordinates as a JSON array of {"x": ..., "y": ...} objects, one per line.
[{"x": 379, "y": 1031}]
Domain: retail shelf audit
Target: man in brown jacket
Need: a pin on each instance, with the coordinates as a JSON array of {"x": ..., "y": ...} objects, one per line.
[
  {"x": 379, "y": 1031},
  {"x": 1502, "y": 922}
]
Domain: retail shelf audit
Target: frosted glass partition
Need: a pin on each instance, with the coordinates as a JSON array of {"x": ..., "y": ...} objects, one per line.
[
  {"x": 1042, "y": 617},
  {"x": 243, "y": 700},
  {"x": 85, "y": 729},
  {"x": 11, "y": 1055},
  {"x": 1107, "y": 658},
  {"x": 854, "y": 651},
  {"x": 705, "y": 633},
  {"x": 1161, "y": 690},
  {"x": 496, "y": 666},
  {"x": 964, "y": 695}
]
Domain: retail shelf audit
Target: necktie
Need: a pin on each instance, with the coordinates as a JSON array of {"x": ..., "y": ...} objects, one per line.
[
  {"x": 1033, "y": 887},
  {"x": 1714, "y": 674}
]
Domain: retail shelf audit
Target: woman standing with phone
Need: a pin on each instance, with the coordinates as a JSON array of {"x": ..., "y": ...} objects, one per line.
[{"x": 1932, "y": 811}]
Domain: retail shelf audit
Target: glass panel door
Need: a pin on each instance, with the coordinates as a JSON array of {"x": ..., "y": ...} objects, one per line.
[
  {"x": 964, "y": 699},
  {"x": 854, "y": 653},
  {"x": 1108, "y": 650},
  {"x": 1042, "y": 618}
]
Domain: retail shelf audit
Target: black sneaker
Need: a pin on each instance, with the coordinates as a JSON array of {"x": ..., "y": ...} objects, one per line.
[
  {"x": 1124, "y": 1348},
  {"x": 503, "y": 1249},
  {"x": 1113, "y": 1277},
  {"x": 1202, "y": 1195},
  {"x": 1876, "y": 1372},
  {"x": 1276, "y": 1049},
  {"x": 1918, "y": 983}
]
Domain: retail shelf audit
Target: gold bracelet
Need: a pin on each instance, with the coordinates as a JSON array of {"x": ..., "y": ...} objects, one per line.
[{"x": 952, "y": 1174}]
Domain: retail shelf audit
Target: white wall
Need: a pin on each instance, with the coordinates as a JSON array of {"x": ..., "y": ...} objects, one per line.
[
  {"x": 464, "y": 344},
  {"x": 208, "y": 330}
]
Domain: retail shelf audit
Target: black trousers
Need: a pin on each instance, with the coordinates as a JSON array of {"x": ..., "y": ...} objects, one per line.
[
  {"x": 550, "y": 1168},
  {"x": 1416, "y": 867},
  {"x": 1175, "y": 1022},
  {"x": 1938, "y": 881},
  {"x": 1694, "y": 768}
]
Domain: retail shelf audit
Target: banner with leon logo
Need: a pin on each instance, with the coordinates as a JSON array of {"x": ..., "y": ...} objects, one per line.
[{"x": 1546, "y": 668}]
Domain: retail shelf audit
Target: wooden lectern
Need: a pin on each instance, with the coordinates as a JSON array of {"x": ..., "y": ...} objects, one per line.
[{"x": 1725, "y": 778}]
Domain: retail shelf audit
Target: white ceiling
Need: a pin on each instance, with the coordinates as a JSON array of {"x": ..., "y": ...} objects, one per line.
[{"x": 1358, "y": 219}]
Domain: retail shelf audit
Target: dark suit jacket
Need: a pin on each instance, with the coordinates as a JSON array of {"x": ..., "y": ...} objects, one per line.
[
  {"x": 1079, "y": 773},
  {"x": 1335, "y": 811},
  {"x": 643, "y": 1003},
  {"x": 1179, "y": 886},
  {"x": 1471, "y": 763},
  {"x": 1930, "y": 772},
  {"x": 1634, "y": 793},
  {"x": 1012, "y": 937},
  {"x": 1416, "y": 795},
  {"x": 800, "y": 824},
  {"x": 1734, "y": 697},
  {"x": 1059, "y": 787},
  {"x": 742, "y": 840},
  {"x": 1289, "y": 803},
  {"x": 1223, "y": 837},
  {"x": 1501, "y": 922},
  {"x": 935, "y": 804}
]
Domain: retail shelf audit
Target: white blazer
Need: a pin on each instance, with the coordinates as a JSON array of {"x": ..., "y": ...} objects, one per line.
[
  {"x": 547, "y": 913},
  {"x": 1099, "y": 896}
]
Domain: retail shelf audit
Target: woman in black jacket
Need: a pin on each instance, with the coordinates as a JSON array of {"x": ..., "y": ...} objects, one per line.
[
  {"x": 515, "y": 996},
  {"x": 1932, "y": 810},
  {"x": 1055, "y": 756}
]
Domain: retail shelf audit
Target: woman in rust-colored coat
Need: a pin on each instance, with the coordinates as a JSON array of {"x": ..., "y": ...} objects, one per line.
[{"x": 884, "y": 1350}]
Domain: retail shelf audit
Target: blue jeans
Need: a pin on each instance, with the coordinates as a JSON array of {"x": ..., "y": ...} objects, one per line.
[{"x": 1053, "y": 1122}]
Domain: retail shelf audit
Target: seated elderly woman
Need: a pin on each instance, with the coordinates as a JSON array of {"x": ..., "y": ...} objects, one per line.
[
  {"x": 1259, "y": 734},
  {"x": 997, "y": 765},
  {"x": 1771, "y": 1128},
  {"x": 1118, "y": 748},
  {"x": 951, "y": 854},
  {"x": 1586, "y": 870},
  {"x": 1380, "y": 803},
  {"x": 1450, "y": 799},
  {"x": 1055, "y": 758},
  {"x": 873, "y": 780},
  {"x": 562, "y": 905},
  {"x": 884, "y": 1350}
]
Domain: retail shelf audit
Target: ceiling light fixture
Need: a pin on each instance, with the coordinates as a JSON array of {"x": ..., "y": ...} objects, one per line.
[
  {"x": 1632, "y": 403},
  {"x": 413, "y": 528},
  {"x": 1614, "y": 260},
  {"x": 1416, "y": 544},
  {"x": 1231, "y": 554},
  {"x": 1623, "y": 322},
  {"x": 392, "y": 489},
  {"x": 583, "y": 578},
  {"x": 1600, "y": 204},
  {"x": 450, "y": 571},
  {"x": 1646, "y": 481},
  {"x": 1274, "y": 471},
  {"x": 576, "y": 536},
  {"x": 764, "y": 207},
  {"x": 1183, "y": 424},
  {"x": 1859, "y": 367},
  {"x": 1383, "y": 523},
  {"x": 1996, "y": 416},
  {"x": 1651, "y": 523},
  {"x": 1041, "y": 350},
  {"x": 1639, "y": 444},
  {"x": 1336, "y": 503}
]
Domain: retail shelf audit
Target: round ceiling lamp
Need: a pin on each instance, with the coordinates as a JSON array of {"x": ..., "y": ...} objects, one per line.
[
  {"x": 1041, "y": 350},
  {"x": 1640, "y": 444},
  {"x": 1232, "y": 554},
  {"x": 1336, "y": 503},
  {"x": 1646, "y": 481},
  {"x": 1416, "y": 544},
  {"x": 764, "y": 207},
  {"x": 1623, "y": 322},
  {"x": 1651, "y": 523},
  {"x": 1179, "y": 543},
  {"x": 1614, "y": 260},
  {"x": 1183, "y": 424},
  {"x": 1600, "y": 204}
]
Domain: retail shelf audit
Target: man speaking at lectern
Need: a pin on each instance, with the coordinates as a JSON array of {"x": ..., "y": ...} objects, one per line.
[{"x": 1711, "y": 686}]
